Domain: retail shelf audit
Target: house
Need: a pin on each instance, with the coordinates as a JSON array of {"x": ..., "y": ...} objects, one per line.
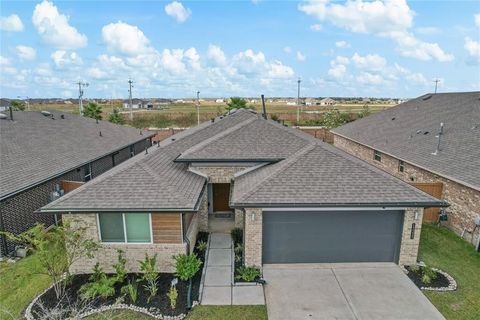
[
  {"x": 297, "y": 199},
  {"x": 432, "y": 141},
  {"x": 45, "y": 154},
  {"x": 4, "y": 104},
  {"x": 136, "y": 104},
  {"x": 328, "y": 102}
]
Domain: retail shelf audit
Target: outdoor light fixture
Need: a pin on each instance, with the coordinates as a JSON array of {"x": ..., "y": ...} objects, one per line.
[
  {"x": 253, "y": 216},
  {"x": 416, "y": 214}
]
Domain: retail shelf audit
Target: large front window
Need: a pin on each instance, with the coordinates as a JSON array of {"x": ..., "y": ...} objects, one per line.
[{"x": 125, "y": 227}]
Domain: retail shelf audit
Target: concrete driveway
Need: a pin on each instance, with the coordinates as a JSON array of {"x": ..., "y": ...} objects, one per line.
[{"x": 343, "y": 291}]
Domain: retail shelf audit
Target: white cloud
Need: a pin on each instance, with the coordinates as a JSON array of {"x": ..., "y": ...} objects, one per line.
[
  {"x": 176, "y": 10},
  {"x": 279, "y": 70},
  {"x": 62, "y": 58},
  {"x": 369, "y": 62},
  {"x": 384, "y": 18},
  {"x": 477, "y": 19},
  {"x": 287, "y": 50},
  {"x": 427, "y": 30},
  {"x": 125, "y": 38},
  {"x": 301, "y": 56},
  {"x": 4, "y": 61},
  {"x": 368, "y": 78},
  {"x": 193, "y": 58},
  {"x": 342, "y": 44},
  {"x": 216, "y": 54},
  {"x": 316, "y": 27},
  {"x": 11, "y": 23},
  {"x": 172, "y": 61},
  {"x": 472, "y": 47},
  {"x": 54, "y": 28},
  {"x": 26, "y": 53},
  {"x": 337, "y": 71}
]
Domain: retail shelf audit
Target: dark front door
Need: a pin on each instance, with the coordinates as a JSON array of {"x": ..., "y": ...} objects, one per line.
[
  {"x": 221, "y": 197},
  {"x": 331, "y": 236}
]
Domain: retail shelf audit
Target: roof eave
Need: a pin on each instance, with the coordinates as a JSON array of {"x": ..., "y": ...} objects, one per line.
[
  {"x": 422, "y": 204},
  {"x": 268, "y": 160}
]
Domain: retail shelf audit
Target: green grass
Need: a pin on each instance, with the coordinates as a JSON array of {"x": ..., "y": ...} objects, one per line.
[
  {"x": 20, "y": 282},
  {"x": 120, "y": 315},
  {"x": 228, "y": 312},
  {"x": 441, "y": 248}
]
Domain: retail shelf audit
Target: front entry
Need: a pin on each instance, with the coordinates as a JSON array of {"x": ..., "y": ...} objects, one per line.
[{"x": 221, "y": 197}]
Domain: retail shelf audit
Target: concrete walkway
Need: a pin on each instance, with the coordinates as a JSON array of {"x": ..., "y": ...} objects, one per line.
[{"x": 218, "y": 287}]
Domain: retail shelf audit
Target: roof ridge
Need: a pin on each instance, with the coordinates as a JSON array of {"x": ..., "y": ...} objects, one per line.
[
  {"x": 284, "y": 164},
  {"x": 219, "y": 135}
]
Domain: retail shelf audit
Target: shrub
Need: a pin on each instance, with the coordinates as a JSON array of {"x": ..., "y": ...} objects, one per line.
[
  {"x": 428, "y": 275},
  {"x": 414, "y": 268},
  {"x": 202, "y": 246},
  {"x": 238, "y": 249},
  {"x": 120, "y": 269},
  {"x": 248, "y": 274},
  {"x": 186, "y": 266},
  {"x": 172, "y": 296},
  {"x": 150, "y": 276},
  {"x": 131, "y": 289},
  {"x": 274, "y": 117},
  {"x": 100, "y": 285},
  {"x": 237, "y": 235}
]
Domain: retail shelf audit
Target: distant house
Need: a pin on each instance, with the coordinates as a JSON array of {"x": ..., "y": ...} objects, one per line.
[
  {"x": 44, "y": 155},
  {"x": 310, "y": 101},
  {"x": 219, "y": 101},
  {"x": 136, "y": 104},
  {"x": 410, "y": 142},
  {"x": 328, "y": 102}
]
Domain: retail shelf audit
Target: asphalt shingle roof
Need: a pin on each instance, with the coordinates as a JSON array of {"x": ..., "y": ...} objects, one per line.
[
  {"x": 35, "y": 148},
  {"x": 408, "y": 132},
  {"x": 312, "y": 172}
]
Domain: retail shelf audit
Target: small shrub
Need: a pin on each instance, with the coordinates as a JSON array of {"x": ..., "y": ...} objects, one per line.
[
  {"x": 248, "y": 274},
  {"x": 237, "y": 235},
  {"x": 100, "y": 285},
  {"x": 131, "y": 289},
  {"x": 186, "y": 266},
  {"x": 238, "y": 249},
  {"x": 149, "y": 276},
  {"x": 414, "y": 268},
  {"x": 274, "y": 117},
  {"x": 428, "y": 275},
  {"x": 172, "y": 296},
  {"x": 238, "y": 258},
  {"x": 120, "y": 269},
  {"x": 202, "y": 246}
]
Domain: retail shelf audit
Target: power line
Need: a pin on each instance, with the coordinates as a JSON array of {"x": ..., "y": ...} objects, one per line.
[
  {"x": 81, "y": 85},
  {"x": 298, "y": 100},
  {"x": 130, "y": 85},
  {"x": 198, "y": 107}
]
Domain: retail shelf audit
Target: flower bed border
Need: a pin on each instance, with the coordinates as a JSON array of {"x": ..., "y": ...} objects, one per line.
[{"x": 452, "y": 286}]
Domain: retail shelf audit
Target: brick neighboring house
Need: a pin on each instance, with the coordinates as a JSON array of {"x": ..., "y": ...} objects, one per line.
[
  {"x": 298, "y": 199},
  {"x": 44, "y": 153},
  {"x": 403, "y": 141}
]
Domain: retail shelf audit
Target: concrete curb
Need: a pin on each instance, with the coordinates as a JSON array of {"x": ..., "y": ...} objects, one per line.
[{"x": 204, "y": 271}]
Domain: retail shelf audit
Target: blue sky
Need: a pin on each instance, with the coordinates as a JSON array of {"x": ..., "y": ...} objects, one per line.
[{"x": 224, "y": 48}]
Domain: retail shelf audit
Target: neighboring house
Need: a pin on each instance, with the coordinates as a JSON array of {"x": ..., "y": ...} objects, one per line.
[
  {"x": 4, "y": 104},
  {"x": 136, "y": 104},
  {"x": 328, "y": 102},
  {"x": 45, "y": 155},
  {"x": 408, "y": 142},
  {"x": 298, "y": 199}
]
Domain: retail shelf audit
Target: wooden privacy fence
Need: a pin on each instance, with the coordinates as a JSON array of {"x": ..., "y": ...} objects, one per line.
[
  {"x": 68, "y": 186},
  {"x": 434, "y": 189}
]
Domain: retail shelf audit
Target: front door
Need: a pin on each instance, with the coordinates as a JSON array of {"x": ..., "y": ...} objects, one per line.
[{"x": 221, "y": 197}]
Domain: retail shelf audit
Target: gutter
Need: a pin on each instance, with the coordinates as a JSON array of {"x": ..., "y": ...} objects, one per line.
[
  {"x": 341, "y": 205},
  {"x": 269, "y": 160}
]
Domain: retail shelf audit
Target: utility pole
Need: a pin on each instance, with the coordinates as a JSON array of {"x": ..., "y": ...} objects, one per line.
[
  {"x": 27, "y": 100},
  {"x": 81, "y": 85},
  {"x": 298, "y": 100},
  {"x": 436, "y": 84},
  {"x": 130, "y": 85},
  {"x": 198, "y": 107}
]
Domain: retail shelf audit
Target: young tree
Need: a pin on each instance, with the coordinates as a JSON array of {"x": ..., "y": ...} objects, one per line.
[
  {"x": 365, "y": 112},
  {"x": 58, "y": 248},
  {"x": 116, "y": 117},
  {"x": 237, "y": 103},
  {"x": 17, "y": 105},
  {"x": 334, "y": 118},
  {"x": 93, "y": 110}
]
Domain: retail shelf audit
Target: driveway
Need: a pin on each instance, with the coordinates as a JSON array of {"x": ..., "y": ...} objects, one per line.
[{"x": 343, "y": 291}]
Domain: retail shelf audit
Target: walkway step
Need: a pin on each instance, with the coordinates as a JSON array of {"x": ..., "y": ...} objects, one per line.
[
  {"x": 217, "y": 296},
  {"x": 248, "y": 295},
  {"x": 220, "y": 241}
]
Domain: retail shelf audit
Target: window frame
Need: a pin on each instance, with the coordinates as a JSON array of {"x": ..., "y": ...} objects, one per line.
[
  {"x": 89, "y": 175},
  {"x": 125, "y": 229},
  {"x": 401, "y": 166},
  {"x": 376, "y": 154}
]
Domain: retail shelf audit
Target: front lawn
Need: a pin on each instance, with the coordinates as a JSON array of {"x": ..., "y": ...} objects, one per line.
[
  {"x": 228, "y": 312},
  {"x": 443, "y": 249}
]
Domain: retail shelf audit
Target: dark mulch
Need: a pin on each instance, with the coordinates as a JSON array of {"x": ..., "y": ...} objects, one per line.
[
  {"x": 160, "y": 301},
  {"x": 416, "y": 276}
]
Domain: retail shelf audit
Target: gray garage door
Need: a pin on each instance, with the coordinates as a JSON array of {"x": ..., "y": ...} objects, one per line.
[{"x": 331, "y": 236}]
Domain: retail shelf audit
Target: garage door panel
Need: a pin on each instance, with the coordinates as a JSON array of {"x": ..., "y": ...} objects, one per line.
[{"x": 336, "y": 236}]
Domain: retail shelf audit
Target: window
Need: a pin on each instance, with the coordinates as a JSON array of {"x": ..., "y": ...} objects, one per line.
[
  {"x": 87, "y": 169},
  {"x": 125, "y": 227},
  {"x": 132, "y": 150},
  {"x": 401, "y": 166},
  {"x": 377, "y": 155}
]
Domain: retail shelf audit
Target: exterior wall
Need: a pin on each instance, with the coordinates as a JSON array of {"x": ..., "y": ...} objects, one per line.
[
  {"x": 252, "y": 235},
  {"x": 191, "y": 233},
  {"x": 464, "y": 201},
  {"x": 203, "y": 213},
  {"x": 17, "y": 212},
  {"x": 106, "y": 256},
  {"x": 239, "y": 218},
  {"x": 408, "y": 246},
  {"x": 219, "y": 174}
]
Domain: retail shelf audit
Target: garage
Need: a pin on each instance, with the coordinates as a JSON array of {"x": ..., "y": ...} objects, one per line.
[{"x": 332, "y": 236}]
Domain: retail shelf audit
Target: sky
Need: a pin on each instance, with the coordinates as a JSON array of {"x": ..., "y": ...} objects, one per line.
[{"x": 172, "y": 49}]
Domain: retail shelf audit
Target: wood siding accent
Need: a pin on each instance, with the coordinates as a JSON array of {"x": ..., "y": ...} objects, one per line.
[
  {"x": 68, "y": 186},
  {"x": 221, "y": 197},
  {"x": 167, "y": 228},
  {"x": 434, "y": 189}
]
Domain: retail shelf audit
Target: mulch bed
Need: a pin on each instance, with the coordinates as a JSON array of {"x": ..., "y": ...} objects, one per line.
[
  {"x": 416, "y": 276},
  {"x": 161, "y": 302}
]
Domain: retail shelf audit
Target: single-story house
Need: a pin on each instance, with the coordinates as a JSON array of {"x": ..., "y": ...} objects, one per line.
[
  {"x": 298, "y": 200},
  {"x": 328, "y": 102},
  {"x": 136, "y": 104},
  {"x": 46, "y": 154},
  {"x": 433, "y": 142}
]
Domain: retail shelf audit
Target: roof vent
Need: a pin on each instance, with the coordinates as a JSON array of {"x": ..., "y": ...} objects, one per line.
[
  {"x": 427, "y": 97},
  {"x": 393, "y": 118},
  {"x": 62, "y": 116},
  {"x": 46, "y": 113},
  {"x": 426, "y": 132},
  {"x": 3, "y": 116}
]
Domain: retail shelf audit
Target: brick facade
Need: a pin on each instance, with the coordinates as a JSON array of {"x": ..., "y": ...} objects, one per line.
[
  {"x": 408, "y": 246},
  {"x": 464, "y": 201},
  {"x": 219, "y": 174},
  {"x": 252, "y": 234},
  {"x": 239, "y": 218},
  {"x": 106, "y": 256},
  {"x": 203, "y": 213},
  {"x": 17, "y": 212}
]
